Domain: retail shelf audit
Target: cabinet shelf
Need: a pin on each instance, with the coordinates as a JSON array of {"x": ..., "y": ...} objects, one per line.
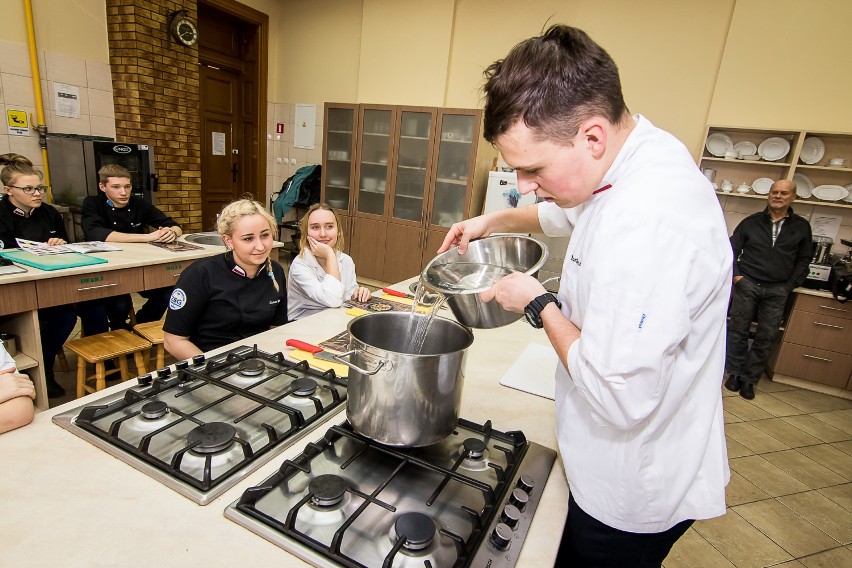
[
  {"x": 423, "y": 138},
  {"x": 746, "y": 162},
  {"x": 815, "y": 167},
  {"x": 404, "y": 196},
  {"x": 381, "y": 134},
  {"x": 24, "y": 361},
  {"x": 349, "y": 132},
  {"x": 798, "y": 201},
  {"x": 452, "y": 181}
]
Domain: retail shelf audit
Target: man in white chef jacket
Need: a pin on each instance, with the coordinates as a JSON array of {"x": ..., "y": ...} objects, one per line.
[{"x": 639, "y": 321}]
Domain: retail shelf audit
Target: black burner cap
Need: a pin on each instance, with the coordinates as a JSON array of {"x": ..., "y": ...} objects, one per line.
[
  {"x": 211, "y": 437},
  {"x": 474, "y": 447},
  {"x": 304, "y": 386},
  {"x": 327, "y": 490},
  {"x": 417, "y": 529},
  {"x": 251, "y": 367},
  {"x": 154, "y": 409}
]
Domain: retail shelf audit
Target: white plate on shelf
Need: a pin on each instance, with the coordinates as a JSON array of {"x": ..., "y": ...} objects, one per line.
[
  {"x": 761, "y": 185},
  {"x": 804, "y": 185},
  {"x": 718, "y": 143},
  {"x": 773, "y": 149},
  {"x": 831, "y": 192},
  {"x": 813, "y": 149},
  {"x": 745, "y": 148},
  {"x": 848, "y": 198}
]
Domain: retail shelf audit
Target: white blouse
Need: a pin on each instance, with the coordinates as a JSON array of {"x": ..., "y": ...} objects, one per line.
[{"x": 311, "y": 290}]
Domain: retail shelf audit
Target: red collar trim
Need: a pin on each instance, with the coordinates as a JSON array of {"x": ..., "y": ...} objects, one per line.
[
  {"x": 237, "y": 270},
  {"x": 20, "y": 212},
  {"x": 600, "y": 189}
]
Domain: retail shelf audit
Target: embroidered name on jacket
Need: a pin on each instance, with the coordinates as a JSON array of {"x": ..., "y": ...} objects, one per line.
[{"x": 576, "y": 260}]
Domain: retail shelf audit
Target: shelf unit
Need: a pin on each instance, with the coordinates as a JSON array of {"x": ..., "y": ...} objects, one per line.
[{"x": 837, "y": 145}]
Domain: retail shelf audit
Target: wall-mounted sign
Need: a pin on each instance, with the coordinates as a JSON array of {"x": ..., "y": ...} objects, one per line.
[
  {"x": 18, "y": 123},
  {"x": 66, "y": 100},
  {"x": 218, "y": 143}
]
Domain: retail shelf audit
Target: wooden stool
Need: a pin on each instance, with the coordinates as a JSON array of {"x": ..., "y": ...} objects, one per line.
[
  {"x": 102, "y": 347},
  {"x": 153, "y": 332}
]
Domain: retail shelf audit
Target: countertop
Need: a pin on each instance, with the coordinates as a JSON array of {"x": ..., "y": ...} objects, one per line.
[{"x": 64, "y": 502}]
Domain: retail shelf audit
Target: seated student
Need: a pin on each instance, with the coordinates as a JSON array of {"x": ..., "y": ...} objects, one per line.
[
  {"x": 231, "y": 296},
  {"x": 24, "y": 215},
  {"x": 116, "y": 215},
  {"x": 322, "y": 275},
  {"x": 16, "y": 394}
]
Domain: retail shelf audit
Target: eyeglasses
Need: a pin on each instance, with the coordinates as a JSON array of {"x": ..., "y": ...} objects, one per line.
[{"x": 29, "y": 190}]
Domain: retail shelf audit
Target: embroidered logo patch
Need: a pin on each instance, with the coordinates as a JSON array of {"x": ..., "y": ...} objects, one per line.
[{"x": 177, "y": 299}]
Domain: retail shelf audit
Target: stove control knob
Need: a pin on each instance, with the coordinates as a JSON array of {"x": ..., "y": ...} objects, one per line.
[
  {"x": 526, "y": 483},
  {"x": 198, "y": 359},
  {"x": 519, "y": 498},
  {"x": 510, "y": 516},
  {"x": 501, "y": 536},
  {"x": 180, "y": 365},
  {"x": 163, "y": 373},
  {"x": 144, "y": 380}
]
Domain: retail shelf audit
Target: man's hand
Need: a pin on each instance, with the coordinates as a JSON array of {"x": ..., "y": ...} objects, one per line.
[
  {"x": 163, "y": 235},
  {"x": 460, "y": 234},
  {"x": 55, "y": 241},
  {"x": 13, "y": 385},
  {"x": 514, "y": 292}
]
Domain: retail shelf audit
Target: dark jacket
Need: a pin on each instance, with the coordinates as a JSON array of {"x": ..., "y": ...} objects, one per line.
[
  {"x": 100, "y": 218},
  {"x": 785, "y": 262},
  {"x": 44, "y": 223}
]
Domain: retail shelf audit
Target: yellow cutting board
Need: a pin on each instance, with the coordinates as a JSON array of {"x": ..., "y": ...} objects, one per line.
[{"x": 299, "y": 355}]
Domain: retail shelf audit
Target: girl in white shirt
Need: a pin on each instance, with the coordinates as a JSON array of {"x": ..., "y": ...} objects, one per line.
[{"x": 322, "y": 275}]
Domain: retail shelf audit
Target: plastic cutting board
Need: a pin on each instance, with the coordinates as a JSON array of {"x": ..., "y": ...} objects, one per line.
[{"x": 51, "y": 261}]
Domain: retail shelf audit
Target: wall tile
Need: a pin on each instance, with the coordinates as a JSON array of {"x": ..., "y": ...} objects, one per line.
[
  {"x": 4, "y": 143},
  {"x": 15, "y": 58},
  {"x": 26, "y": 146},
  {"x": 67, "y": 125},
  {"x": 17, "y": 90},
  {"x": 100, "y": 103},
  {"x": 98, "y": 76},
  {"x": 65, "y": 68},
  {"x": 102, "y": 126}
]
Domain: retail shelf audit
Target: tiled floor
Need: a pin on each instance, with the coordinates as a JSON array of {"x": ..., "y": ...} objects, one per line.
[{"x": 790, "y": 495}]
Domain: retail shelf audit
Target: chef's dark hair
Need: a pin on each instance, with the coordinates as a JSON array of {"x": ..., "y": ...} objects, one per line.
[
  {"x": 242, "y": 208},
  {"x": 553, "y": 82},
  {"x": 16, "y": 165}
]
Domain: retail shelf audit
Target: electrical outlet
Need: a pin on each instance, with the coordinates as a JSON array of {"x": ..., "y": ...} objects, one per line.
[
  {"x": 292, "y": 161},
  {"x": 278, "y": 160}
]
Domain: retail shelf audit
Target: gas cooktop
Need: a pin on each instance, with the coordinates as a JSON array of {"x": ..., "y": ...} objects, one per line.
[
  {"x": 203, "y": 428},
  {"x": 349, "y": 501}
]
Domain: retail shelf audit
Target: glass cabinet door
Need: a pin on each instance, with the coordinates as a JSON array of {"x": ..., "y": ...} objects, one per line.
[
  {"x": 373, "y": 161},
  {"x": 455, "y": 148},
  {"x": 410, "y": 170},
  {"x": 340, "y": 128}
]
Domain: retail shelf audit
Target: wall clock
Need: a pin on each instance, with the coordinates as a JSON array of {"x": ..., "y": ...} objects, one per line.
[{"x": 183, "y": 29}]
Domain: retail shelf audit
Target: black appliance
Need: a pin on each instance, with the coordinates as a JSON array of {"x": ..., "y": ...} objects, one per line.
[
  {"x": 348, "y": 501},
  {"x": 204, "y": 428}
]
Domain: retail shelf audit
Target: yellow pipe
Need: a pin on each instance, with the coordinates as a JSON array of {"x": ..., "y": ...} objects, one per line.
[{"x": 39, "y": 102}]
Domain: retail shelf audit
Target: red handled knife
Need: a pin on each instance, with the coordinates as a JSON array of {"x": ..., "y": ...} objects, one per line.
[
  {"x": 317, "y": 352},
  {"x": 392, "y": 292}
]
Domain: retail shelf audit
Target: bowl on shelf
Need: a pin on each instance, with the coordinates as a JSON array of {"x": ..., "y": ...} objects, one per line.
[{"x": 752, "y": 158}]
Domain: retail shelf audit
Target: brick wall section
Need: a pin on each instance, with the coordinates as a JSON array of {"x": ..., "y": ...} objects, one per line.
[{"x": 156, "y": 93}]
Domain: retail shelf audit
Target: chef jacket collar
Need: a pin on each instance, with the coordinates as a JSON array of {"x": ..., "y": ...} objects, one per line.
[
  {"x": 21, "y": 213},
  {"x": 633, "y": 140}
]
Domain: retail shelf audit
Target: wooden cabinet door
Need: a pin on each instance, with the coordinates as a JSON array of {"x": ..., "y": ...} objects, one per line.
[
  {"x": 403, "y": 252},
  {"x": 375, "y": 148},
  {"x": 411, "y": 165},
  {"x": 338, "y": 155},
  {"x": 368, "y": 239}
]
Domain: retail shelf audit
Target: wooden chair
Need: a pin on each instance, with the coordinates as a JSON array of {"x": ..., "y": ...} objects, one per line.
[
  {"x": 98, "y": 349},
  {"x": 153, "y": 332}
]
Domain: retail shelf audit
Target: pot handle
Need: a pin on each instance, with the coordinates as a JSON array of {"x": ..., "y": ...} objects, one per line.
[{"x": 340, "y": 359}]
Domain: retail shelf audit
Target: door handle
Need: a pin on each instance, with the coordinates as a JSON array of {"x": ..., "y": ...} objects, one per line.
[
  {"x": 234, "y": 170},
  {"x": 806, "y": 356},
  {"x": 828, "y": 325},
  {"x": 96, "y": 287}
]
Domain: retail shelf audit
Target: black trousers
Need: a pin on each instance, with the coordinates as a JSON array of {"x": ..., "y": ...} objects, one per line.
[{"x": 588, "y": 543}]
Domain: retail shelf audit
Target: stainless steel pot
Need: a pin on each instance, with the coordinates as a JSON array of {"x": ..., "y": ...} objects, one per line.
[{"x": 399, "y": 398}]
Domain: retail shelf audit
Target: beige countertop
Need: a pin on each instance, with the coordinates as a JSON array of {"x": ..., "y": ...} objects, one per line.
[{"x": 65, "y": 502}]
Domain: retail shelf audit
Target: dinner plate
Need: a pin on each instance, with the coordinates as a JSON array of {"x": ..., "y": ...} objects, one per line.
[
  {"x": 745, "y": 148},
  {"x": 804, "y": 185},
  {"x": 773, "y": 149},
  {"x": 813, "y": 149},
  {"x": 761, "y": 185},
  {"x": 848, "y": 198},
  {"x": 718, "y": 143},
  {"x": 831, "y": 192}
]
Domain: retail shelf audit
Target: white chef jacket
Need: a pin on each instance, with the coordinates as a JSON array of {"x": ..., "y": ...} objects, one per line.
[
  {"x": 646, "y": 278},
  {"x": 6, "y": 360},
  {"x": 311, "y": 290}
]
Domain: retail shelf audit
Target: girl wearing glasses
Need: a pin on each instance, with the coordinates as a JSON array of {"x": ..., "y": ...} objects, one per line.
[{"x": 23, "y": 215}]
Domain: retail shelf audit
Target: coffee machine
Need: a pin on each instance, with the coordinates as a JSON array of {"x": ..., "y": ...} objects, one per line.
[{"x": 819, "y": 268}]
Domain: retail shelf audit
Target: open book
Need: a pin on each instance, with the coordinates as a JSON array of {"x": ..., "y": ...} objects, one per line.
[{"x": 41, "y": 249}]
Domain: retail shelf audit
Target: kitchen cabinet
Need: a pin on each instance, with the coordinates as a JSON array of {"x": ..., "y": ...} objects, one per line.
[
  {"x": 808, "y": 162},
  {"x": 817, "y": 342},
  {"x": 407, "y": 176}
]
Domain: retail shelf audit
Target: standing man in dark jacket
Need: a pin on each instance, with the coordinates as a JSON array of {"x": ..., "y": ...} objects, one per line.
[
  {"x": 772, "y": 250},
  {"x": 117, "y": 216}
]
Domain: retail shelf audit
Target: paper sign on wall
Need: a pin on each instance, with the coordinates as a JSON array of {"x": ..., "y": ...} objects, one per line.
[
  {"x": 67, "y": 100},
  {"x": 304, "y": 134},
  {"x": 825, "y": 225},
  {"x": 218, "y": 143},
  {"x": 18, "y": 122}
]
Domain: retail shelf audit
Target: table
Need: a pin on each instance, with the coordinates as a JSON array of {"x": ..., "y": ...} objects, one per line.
[{"x": 71, "y": 504}]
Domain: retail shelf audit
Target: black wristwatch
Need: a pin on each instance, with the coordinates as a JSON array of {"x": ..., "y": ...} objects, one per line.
[{"x": 533, "y": 310}]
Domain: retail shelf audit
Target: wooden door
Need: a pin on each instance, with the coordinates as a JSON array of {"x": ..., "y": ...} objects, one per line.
[
  {"x": 368, "y": 238},
  {"x": 403, "y": 252},
  {"x": 221, "y": 142}
]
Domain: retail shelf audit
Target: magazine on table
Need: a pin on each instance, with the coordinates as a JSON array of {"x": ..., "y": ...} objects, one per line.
[
  {"x": 177, "y": 246},
  {"x": 41, "y": 249}
]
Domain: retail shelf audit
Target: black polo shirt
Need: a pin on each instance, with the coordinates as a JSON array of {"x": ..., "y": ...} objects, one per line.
[
  {"x": 214, "y": 303},
  {"x": 43, "y": 223},
  {"x": 100, "y": 217},
  {"x": 784, "y": 262}
]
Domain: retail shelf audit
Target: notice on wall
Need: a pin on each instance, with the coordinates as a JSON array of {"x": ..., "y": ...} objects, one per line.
[
  {"x": 218, "y": 143},
  {"x": 67, "y": 100},
  {"x": 18, "y": 122},
  {"x": 825, "y": 225},
  {"x": 304, "y": 135}
]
